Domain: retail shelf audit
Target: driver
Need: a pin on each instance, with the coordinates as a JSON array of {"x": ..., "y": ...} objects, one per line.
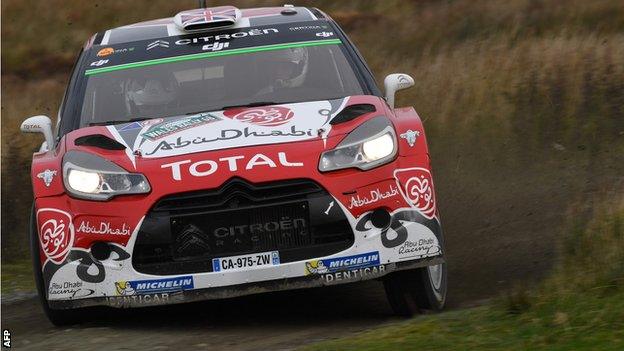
[
  {"x": 285, "y": 68},
  {"x": 151, "y": 96}
]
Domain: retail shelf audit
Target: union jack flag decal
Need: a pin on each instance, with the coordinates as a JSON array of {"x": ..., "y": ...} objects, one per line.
[{"x": 225, "y": 14}]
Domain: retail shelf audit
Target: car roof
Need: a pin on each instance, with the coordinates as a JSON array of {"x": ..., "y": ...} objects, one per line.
[{"x": 166, "y": 27}]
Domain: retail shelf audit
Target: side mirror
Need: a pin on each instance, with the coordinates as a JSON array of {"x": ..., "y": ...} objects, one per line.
[
  {"x": 395, "y": 82},
  {"x": 39, "y": 124}
]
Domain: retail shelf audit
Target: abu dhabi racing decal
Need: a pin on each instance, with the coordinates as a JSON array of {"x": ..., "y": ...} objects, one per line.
[
  {"x": 335, "y": 264},
  {"x": 71, "y": 289},
  {"x": 416, "y": 185},
  {"x": 56, "y": 233},
  {"x": 81, "y": 264},
  {"x": 140, "y": 287},
  {"x": 180, "y": 135},
  {"x": 409, "y": 234}
]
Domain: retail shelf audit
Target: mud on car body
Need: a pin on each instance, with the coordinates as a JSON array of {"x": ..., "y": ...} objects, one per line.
[{"x": 225, "y": 152}]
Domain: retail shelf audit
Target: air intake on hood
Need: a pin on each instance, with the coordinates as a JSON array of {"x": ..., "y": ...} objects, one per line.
[
  {"x": 99, "y": 140},
  {"x": 207, "y": 18},
  {"x": 352, "y": 112}
]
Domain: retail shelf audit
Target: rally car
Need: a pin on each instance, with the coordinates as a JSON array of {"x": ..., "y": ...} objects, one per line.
[{"x": 225, "y": 152}]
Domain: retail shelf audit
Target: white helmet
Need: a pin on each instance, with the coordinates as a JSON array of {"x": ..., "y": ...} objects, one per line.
[
  {"x": 151, "y": 94},
  {"x": 289, "y": 66}
]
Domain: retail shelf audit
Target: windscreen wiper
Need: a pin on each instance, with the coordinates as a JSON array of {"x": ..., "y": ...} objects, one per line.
[{"x": 108, "y": 123}]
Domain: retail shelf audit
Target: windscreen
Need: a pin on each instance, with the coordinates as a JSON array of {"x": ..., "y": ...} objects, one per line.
[{"x": 174, "y": 76}]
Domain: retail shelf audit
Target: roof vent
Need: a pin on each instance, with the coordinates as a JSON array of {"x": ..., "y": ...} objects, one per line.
[{"x": 207, "y": 18}]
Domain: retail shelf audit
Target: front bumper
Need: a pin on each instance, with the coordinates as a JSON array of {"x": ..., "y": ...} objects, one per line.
[
  {"x": 127, "y": 278},
  {"x": 186, "y": 296}
]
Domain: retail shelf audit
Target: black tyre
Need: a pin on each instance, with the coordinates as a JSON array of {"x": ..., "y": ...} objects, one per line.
[
  {"x": 417, "y": 290},
  {"x": 57, "y": 317}
]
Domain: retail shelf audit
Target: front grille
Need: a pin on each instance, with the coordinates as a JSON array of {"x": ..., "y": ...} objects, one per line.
[{"x": 184, "y": 232}]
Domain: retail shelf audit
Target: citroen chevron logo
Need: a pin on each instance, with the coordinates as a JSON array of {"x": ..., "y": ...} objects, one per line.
[{"x": 158, "y": 43}]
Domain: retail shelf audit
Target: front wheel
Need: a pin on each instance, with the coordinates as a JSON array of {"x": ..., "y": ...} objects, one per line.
[
  {"x": 57, "y": 317},
  {"x": 415, "y": 290}
]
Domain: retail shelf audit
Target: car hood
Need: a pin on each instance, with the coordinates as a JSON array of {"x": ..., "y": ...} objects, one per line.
[{"x": 233, "y": 128}]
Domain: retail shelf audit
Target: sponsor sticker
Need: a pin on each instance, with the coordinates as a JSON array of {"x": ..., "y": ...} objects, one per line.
[
  {"x": 410, "y": 136},
  {"x": 373, "y": 196},
  {"x": 103, "y": 228},
  {"x": 416, "y": 186},
  {"x": 335, "y": 264},
  {"x": 167, "y": 128},
  {"x": 68, "y": 289},
  {"x": 157, "y": 44},
  {"x": 424, "y": 247},
  {"x": 204, "y": 168},
  {"x": 56, "y": 233},
  {"x": 265, "y": 116},
  {"x": 47, "y": 176},
  {"x": 130, "y": 300},
  {"x": 140, "y": 287},
  {"x": 355, "y": 274},
  {"x": 105, "y": 52},
  {"x": 98, "y": 63}
]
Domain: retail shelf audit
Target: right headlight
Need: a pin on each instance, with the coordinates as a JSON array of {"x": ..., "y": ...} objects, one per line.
[
  {"x": 370, "y": 145},
  {"x": 92, "y": 177}
]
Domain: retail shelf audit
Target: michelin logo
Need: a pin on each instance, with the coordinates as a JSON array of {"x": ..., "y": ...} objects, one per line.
[
  {"x": 330, "y": 265},
  {"x": 137, "y": 287}
]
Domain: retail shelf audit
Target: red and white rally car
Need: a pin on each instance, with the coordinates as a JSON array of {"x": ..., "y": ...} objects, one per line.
[{"x": 225, "y": 152}]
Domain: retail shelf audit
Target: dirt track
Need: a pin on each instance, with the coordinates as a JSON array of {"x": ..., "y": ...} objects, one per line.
[
  {"x": 487, "y": 253},
  {"x": 499, "y": 231}
]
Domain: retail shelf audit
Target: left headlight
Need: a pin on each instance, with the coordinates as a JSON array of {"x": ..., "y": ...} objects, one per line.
[
  {"x": 91, "y": 177},
  {"x": 368, "y": 146}
]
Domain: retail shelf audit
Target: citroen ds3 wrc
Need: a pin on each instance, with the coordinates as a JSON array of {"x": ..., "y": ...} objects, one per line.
[{"x": 224, "y": 152}]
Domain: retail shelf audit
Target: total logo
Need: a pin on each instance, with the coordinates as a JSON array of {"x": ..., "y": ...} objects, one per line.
[{"x": 204, "y": 168}]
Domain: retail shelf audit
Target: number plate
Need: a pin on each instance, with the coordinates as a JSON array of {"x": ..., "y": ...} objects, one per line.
[{"x": 262, "y": 259}]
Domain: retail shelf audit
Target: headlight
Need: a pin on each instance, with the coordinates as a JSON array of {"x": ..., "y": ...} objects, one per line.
[
  {"x": 91, "y": 177},
  {"x": 370, "y": 145}
]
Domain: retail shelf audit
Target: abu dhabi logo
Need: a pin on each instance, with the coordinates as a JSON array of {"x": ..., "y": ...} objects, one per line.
[{"x": 158, "y": 43}]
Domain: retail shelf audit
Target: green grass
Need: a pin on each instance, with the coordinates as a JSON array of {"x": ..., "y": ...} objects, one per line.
[
  {"x": 510, "y": 91},
  {"x": 17, "y": 276},
  {"x": 588, "y": 322},
  {"x": 579, "y": 307}
]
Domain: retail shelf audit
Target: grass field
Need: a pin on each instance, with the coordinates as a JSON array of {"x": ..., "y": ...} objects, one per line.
[
  {"x": 579, "y": 307},
  {"x": 523, "y": 103}
]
